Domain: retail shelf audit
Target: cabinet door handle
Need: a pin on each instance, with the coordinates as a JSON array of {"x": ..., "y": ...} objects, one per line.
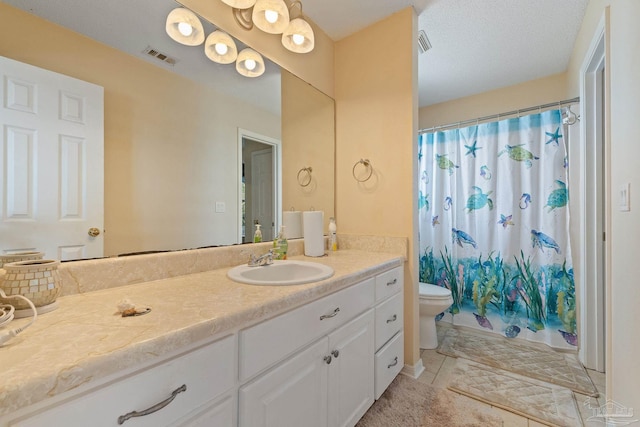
[
  {"x": 327, "y": 359},
  {"x": 393, "y": 282},
  {"x": 328, "y": 316},
  {"x": 154, "y": 408},
  {"x": 392, "y": 318},
  {"x": 335, "y": 353},
  {"x": 394, "y": 363}
]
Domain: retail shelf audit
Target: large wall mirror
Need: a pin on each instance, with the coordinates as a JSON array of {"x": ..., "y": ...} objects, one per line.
[{"x": 172, "y": 168}]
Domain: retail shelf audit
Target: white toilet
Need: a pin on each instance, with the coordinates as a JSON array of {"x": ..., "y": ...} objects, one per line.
[{"x": 433, "y": 301}]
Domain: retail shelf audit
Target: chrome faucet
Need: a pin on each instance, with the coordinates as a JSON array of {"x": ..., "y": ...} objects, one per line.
[{"x": 266, "y": 259}]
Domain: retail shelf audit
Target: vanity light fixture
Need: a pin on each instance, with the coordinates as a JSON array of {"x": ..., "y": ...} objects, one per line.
[
  {"x": 250, "y": 63},
  {"x": 220, "y": 47},
  {"x": 271, "y": 16},
  {"x": 274, "y": 17},
  {"x": 185, "y": 27}
]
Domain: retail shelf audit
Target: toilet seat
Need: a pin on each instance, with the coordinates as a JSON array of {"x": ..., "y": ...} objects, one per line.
[{"x": 433, "y": 292}]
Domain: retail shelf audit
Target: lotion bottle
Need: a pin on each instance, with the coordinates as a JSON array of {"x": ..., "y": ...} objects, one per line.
[
  {"x": 257, "y": 236},
  {"x": 333, "y": 238},
  {"x": 280, "y": 245}
]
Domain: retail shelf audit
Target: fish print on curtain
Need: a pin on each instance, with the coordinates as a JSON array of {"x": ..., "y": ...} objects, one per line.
[{"x": 494, "y": 226}]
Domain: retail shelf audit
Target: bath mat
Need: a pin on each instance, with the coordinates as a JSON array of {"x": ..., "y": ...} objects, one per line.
[
  {"x": 520, "y": 357},
  {"x": 543, "y": 402},
  {"x": 411, "y": 403}
]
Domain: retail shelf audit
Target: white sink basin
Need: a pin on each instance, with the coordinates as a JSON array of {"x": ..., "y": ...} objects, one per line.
[{"x": 281, "y": 273}]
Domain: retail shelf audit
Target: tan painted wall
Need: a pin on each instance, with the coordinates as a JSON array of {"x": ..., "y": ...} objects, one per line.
[
  {"x": 376, "y": 118},
  {"x": 169, "y": 142},
  {"x": 308, "y": 133},
  {"x": 315, "y": 67},
  {"x": 511, "y": 98}
]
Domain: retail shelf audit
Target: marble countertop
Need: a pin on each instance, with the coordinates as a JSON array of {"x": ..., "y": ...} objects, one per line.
[{"x": 86, "y": 339}]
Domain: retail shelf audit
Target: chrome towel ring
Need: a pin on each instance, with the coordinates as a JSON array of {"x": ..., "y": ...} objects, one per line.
[
  {"x": 367, "y": 164},
  {"x": 304, "y": 176}
]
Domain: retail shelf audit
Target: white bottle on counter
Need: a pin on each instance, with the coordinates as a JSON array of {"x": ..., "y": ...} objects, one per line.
[{"x": 333, "y": 238}]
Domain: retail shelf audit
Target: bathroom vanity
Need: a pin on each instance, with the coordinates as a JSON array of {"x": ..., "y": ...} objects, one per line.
[{"x": 213, "y": 352}]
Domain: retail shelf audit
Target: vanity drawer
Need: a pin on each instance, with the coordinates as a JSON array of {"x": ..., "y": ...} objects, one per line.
[
  {"x": 389, "y": 363},
  {"x": 207, "y": 372},
  {"x": 266, "y": 343},
  {"x": 389, "y": 319},
  {"x": 388, "y": 283}
]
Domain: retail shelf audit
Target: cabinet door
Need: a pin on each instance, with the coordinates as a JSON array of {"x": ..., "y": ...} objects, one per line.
[
  {"x": 351, "y": 380},
  {"x": 293, "y": 394}
]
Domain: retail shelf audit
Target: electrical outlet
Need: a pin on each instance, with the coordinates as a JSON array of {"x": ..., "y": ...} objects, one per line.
[{"x": 220, "y": 207}]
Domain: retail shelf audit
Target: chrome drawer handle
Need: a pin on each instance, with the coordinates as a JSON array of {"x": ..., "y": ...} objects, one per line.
[
  {"x": 154, "y": 408},
  {"x": 327, "y": 359},
  {"x": 335, "y": 353},
  {"x": 393, "y": 282},
  {"x": 392, "y": 319},
  {"x": 394, "y": 363},
  {"x": 328, "y": 316}
]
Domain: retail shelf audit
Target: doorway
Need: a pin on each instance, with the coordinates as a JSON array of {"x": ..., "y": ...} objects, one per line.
[
  {"x": 260, "y": 185},
  {"x": 594, "y": 205}
]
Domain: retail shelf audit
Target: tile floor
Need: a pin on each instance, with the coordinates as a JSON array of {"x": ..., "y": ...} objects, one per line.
[{"x": 438, "y": 367}]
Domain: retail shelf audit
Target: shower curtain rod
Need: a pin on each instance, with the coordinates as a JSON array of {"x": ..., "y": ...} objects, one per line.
[{"x": 559, "y": 104}]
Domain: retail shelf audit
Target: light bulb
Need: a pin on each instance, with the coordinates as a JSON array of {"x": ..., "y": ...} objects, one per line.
[
  {"x": 221, "y": 48},
  {"x": 185, "y": 29},
  {"x": 271, "y": 16},
  {"x": 298, "y": 39},
  {"x": 250, "y": 64}
]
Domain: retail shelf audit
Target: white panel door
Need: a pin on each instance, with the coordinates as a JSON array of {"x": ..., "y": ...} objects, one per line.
[
  {"x": 51, "y": 163},
  {"x": 351, "y": 382}
]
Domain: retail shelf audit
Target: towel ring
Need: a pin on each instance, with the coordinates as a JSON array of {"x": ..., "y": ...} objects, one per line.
[
  {"x": 304, "y": 180},
  {"x": 367, "y": 164}
]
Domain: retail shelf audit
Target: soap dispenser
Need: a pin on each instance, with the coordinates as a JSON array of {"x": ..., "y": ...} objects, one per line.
[
  {"x": 257, "y": 236},
  {"x": 280, "y": 245}
]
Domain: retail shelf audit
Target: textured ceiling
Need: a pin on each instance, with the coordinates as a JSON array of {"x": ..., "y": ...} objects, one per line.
[{"x": 478, "y": 45}]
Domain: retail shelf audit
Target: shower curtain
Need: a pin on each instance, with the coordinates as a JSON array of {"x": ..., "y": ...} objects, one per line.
[{"x": 494, "y": 227}]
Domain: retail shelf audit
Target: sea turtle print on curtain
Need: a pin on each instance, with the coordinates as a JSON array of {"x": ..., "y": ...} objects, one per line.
[{"x": 494, "y": 227}]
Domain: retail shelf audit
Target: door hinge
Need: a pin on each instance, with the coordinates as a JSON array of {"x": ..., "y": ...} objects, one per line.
[{"x": 604, "y": 236}]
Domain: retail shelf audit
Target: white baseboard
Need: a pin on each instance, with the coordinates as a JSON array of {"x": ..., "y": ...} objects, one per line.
[{"x": 413, "y": 371}]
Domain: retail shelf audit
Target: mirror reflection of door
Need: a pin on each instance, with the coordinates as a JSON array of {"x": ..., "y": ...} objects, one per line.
[
  {"x": 51, "y": 163},
  {"x": 259, "y": 195}
]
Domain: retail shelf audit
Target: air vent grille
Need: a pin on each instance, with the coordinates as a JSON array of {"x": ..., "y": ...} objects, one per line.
[
  {"x": 423, "y": 42},
  {"x": 161, "y": 56}
]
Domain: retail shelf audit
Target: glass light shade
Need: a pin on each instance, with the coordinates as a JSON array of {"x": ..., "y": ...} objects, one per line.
[
  {"x": 181, "y": 18},
  {"x": 213, "y": 52},
  {"x": 240, "y": 4},
  {"x": 250, "y": 63},
  {"x": 298, "y": 37},
  {"x": 259, "y": 16}
]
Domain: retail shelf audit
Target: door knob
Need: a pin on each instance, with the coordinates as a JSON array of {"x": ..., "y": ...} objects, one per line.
[{"x": 94, "y": 232}]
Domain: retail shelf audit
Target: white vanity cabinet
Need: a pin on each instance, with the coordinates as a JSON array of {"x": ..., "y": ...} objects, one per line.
[
  {"x": 329, "y": 383},
  {"x": 320, "y": 363},
  {"x": 194, "y": 389}
]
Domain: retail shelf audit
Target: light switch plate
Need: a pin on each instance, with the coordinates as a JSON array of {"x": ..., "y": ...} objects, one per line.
[
  {"x": 220, "y": 207},
  {"x": 625, "y": 198}
]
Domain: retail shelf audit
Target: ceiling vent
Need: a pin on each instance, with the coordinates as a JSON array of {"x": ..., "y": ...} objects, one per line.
[
  {"x": 423, "y": 42},
  {"x": 161, "y": 56}
]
